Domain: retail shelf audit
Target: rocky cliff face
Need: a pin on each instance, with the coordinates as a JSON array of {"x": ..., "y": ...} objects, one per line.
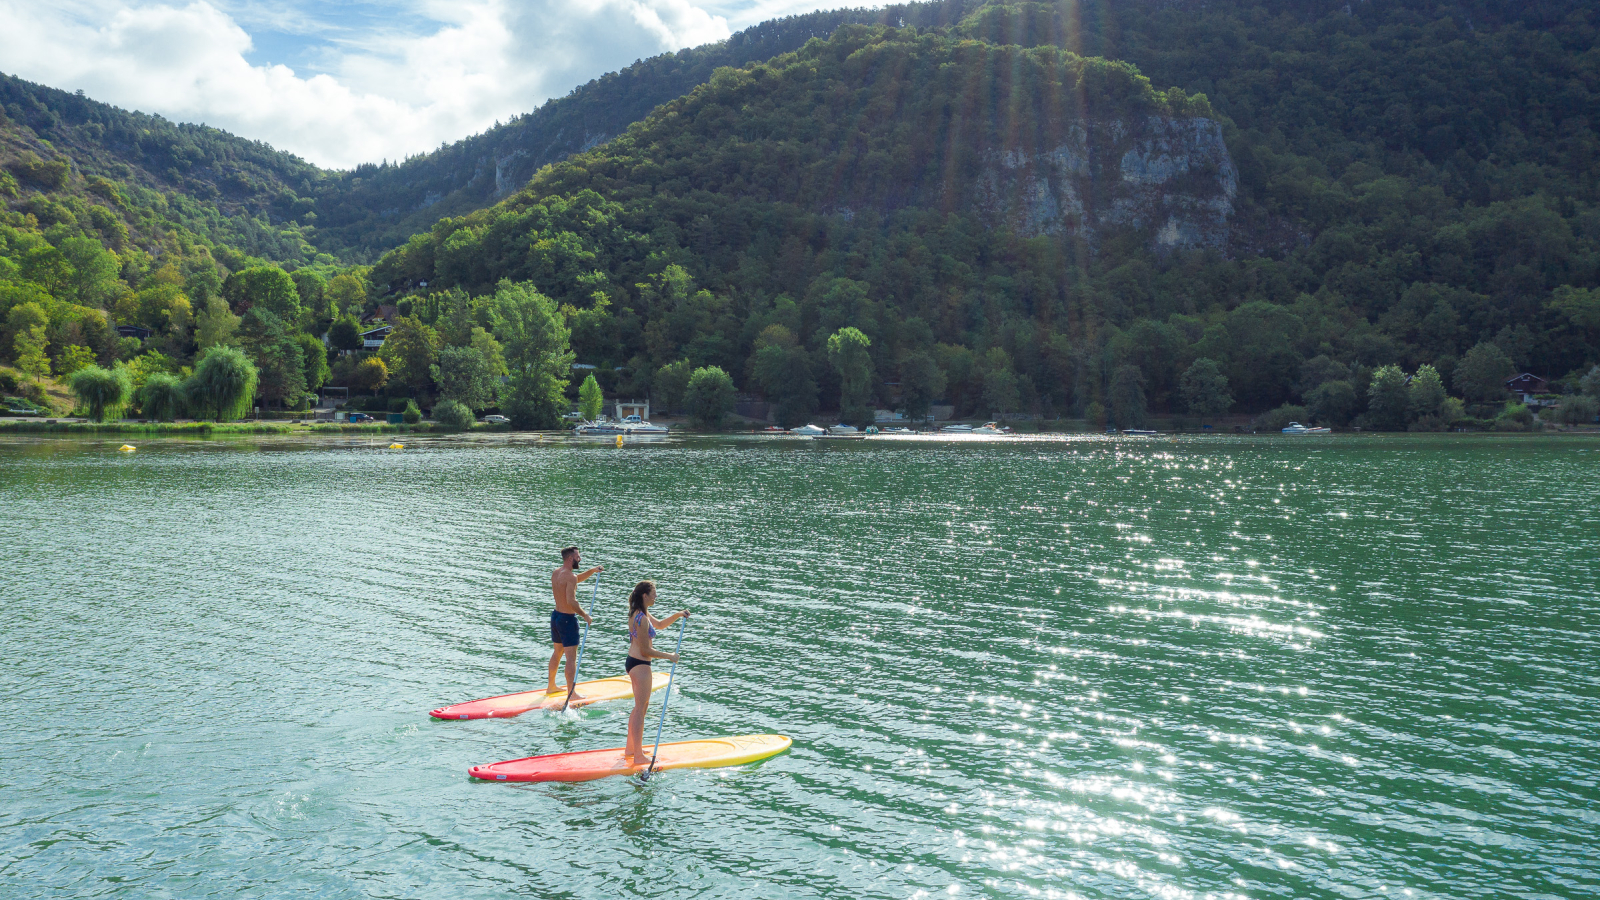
[{"x": 1172, "y": 177}]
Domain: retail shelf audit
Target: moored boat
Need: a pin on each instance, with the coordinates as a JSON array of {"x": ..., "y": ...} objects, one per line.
[
  {"x": 957, "y": 429},
  {"x": 809, "y": 430},
  {"x": 1297, "y": 428}
]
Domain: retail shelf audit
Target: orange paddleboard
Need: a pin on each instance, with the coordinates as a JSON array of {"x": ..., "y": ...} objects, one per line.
[
  {"x": 587, "y": 765},
  {"x": 507, "y": 705}
]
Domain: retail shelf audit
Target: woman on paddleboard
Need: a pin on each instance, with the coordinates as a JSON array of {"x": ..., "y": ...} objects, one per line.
[{"x": 641, "y": 650}]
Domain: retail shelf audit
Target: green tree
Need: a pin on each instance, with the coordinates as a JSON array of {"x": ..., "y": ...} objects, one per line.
[
  {"x": 1205, "y": 389},
  {"x": 24, "y": 317},
  {"x": 102, "y": 392},
  {"x": 1000, "y": 394},
  {"x": 411, "y": 415},
  {"x": 671, "y": 382},
  {"x": 346, "y": 294},
  {"x": 1578, "y": 409},
  {"x": 537, "y": 354},
  {"x": 92, "y": 271},
  {"x": 921, "y": 383},
  {"x": 1481, "y": 375},
  {"x": 268, "y": 287},
  {"x": 281, "y": 371},
  {"x": 491, "y": 350},
  {"x": 223, "y": 384},
  {"x": 370, "y": 375},
  {"x": 312, "y": 291},
  {"x": 345, "y": 334},
  {"x": 590, "y": 399},
  {"x": 1589, "y": 385},
  {"x": 73, "y": 358},
  {"x": 1426, "y": 394},
  {"x": 30, "y": 346},
  {"x": 315, "y": 356},
  {"x": 1128, "y": 408},
  {"x": 162, "y": 397},
  {"x": 465, "y": 376},
  {"x": 1581, "y": 306},
  {"x": 710, "y": 396},
  {"x": 848, "y": 353},
  {"x": 215, "y": 325},
  {"x": 410, "y": 351},
  {"x": 1333, "y": 402},
  {"x": 1388, "y": 399},
  {"x": 454, "y": 415},
  {"x": 781, "y": 370}
]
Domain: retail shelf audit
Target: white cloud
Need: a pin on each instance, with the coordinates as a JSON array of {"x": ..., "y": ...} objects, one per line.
[{"x": 381, "y": 94}]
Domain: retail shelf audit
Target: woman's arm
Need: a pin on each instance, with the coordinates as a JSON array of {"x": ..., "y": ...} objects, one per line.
[{"x": 667, "y": 622}]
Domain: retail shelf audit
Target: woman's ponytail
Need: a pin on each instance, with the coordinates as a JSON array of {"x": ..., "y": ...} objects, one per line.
[{"x": 636, "y": 599}]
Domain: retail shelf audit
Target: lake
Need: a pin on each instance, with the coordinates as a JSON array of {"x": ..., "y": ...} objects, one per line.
[{"x": 1198, "y": 667}]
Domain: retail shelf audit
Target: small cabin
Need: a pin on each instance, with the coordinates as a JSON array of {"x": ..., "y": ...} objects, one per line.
[
  {"x": 385, "y": 312},
  {"x": 1527, "y": 386},
  {"x": 134, "y": 331},
  {"x": 373, "y": 340}
]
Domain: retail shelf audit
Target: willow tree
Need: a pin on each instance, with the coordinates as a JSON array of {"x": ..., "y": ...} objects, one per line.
[
  {"x": 162, "y": 397},
  {"x": 223, "y": 384},
  {"x": 103, "y": 392}
]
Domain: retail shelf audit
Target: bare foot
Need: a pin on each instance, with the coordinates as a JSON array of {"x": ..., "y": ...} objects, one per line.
[{"x": 551, "y": 690}]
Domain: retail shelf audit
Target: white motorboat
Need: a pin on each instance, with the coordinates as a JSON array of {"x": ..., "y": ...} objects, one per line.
[
  {"x": 808, "y": 429},
  {"x": 600, "y": 427},
  {"x": 897, "y": 431},
  {"x": 843, "y": 429},
  {"x": 991, "y": 428},
  {"x": 1297, "y": 428},
  {"x": 957, "y": 429},
  {"x": 1140, "y": 432},
  {"x": 638, "y": 426}
]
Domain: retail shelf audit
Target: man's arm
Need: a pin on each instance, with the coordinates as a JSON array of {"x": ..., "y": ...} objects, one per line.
[{"x": 593, "y": 571}]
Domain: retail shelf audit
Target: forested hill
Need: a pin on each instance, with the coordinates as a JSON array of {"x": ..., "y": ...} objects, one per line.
[
  {"x": 1413, "y": 181},
  {"x": 375, "y": 208},
  {"x": 139, "y": 179}
]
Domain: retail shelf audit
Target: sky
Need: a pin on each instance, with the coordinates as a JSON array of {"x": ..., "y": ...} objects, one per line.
[{"x": 342, "y": 82}]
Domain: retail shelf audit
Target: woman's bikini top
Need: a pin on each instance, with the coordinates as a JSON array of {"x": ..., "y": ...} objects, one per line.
[{"x": 633, "y": 626}]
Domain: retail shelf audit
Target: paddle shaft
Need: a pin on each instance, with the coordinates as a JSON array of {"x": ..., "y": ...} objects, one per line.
[
  {"x": 577, "y": 667},
  {"x": 667, "y": 698}
]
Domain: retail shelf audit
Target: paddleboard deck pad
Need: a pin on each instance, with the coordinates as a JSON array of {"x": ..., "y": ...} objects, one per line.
[
  {"x": 588, "y": 765},
  {"x": 506, "y": 705}
]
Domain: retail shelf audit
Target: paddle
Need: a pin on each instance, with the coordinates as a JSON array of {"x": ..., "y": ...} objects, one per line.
[
  {"x": 577, "y": 667},
  {"x": 666, "y": 698}
]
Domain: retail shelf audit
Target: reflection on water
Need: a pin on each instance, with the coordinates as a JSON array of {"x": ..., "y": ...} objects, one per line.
[{"x": 1016, "y": 667}]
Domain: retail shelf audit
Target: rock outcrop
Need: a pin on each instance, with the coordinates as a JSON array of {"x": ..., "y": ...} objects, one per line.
[{"x": 1172, "y": 177}]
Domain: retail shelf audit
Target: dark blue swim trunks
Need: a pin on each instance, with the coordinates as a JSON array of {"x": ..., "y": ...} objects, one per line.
[{"x": 564, "y": 629}]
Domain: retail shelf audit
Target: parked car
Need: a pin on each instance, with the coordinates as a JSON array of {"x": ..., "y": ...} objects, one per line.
[
  {"x": 573, "y": 416},
  {"x": 359, "y": 418},
  {"x": 495, "y": 420}
]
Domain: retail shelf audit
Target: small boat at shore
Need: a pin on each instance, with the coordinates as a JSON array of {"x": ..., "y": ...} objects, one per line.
[
  {"x": 600, "y": 428},
  {"x": 808, "y": 430},
  {"x": 1297, "y": 428},
  {"x": 957, "y": 429},
  {"x": 991, "y": 428},
  {"x": 637, "y": 426},
  {"x": 1140, "y": 432},
  {"x": 842, "y": 428}
]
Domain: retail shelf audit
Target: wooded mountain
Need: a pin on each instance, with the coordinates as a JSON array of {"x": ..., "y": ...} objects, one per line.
[{"x": 1021, "y": 205}]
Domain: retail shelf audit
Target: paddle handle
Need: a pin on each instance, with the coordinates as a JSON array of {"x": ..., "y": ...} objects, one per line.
[
  {"x": 665, "y": 699},
  {"x": 577, "y": 666}
]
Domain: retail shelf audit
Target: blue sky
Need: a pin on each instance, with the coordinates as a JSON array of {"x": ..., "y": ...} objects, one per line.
[{"x": 342, "y": 82}]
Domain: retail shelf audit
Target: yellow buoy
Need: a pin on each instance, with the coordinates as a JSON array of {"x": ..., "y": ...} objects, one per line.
[
  {"x": 397, "y": 446},
  {"x": 619, "y": 440},
  {"x": 127, "y": 448}
]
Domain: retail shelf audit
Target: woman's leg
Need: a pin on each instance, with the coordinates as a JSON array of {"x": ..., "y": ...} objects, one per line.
[{"x": 641, "y": 678}]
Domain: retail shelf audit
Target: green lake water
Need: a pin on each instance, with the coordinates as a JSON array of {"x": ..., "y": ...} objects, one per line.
[{"x": 1209, "y": 667}]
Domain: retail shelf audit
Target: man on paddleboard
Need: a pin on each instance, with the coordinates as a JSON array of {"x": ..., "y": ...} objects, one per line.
[{"x": 564, "y": 621}]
